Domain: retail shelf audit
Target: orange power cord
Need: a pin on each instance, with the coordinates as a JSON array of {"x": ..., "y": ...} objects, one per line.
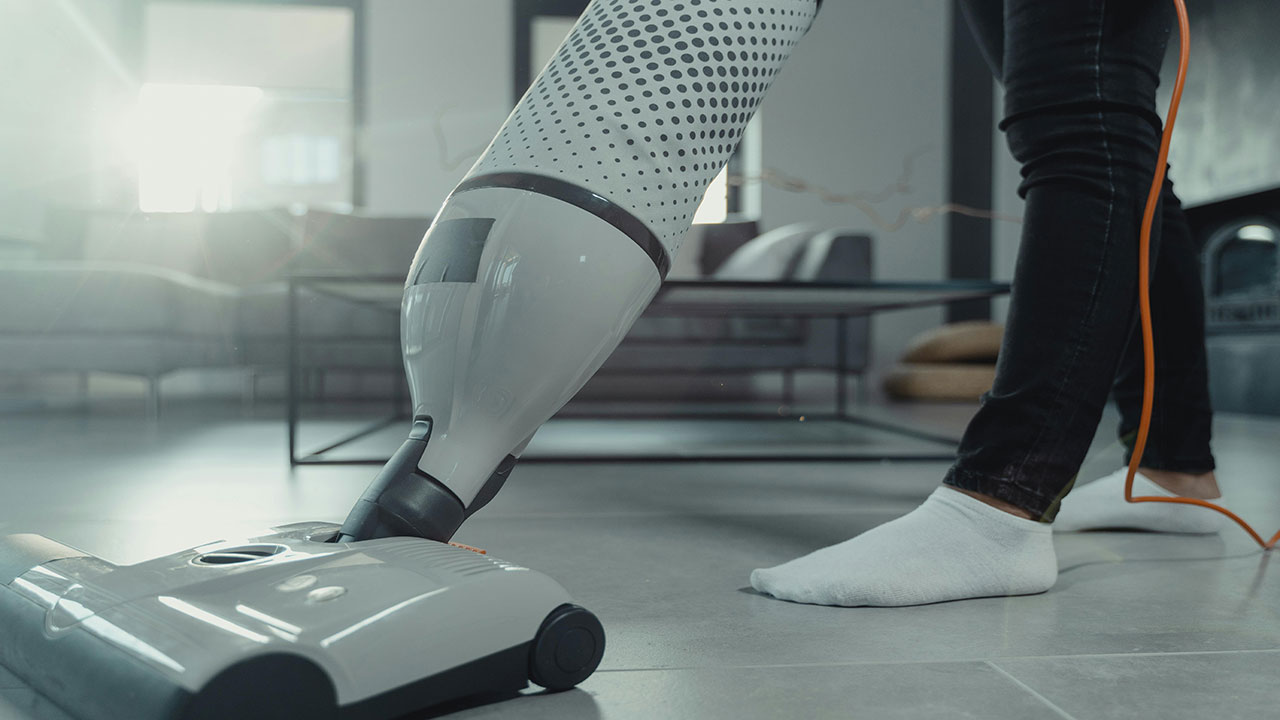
[{"x": 1144, "y": 296}]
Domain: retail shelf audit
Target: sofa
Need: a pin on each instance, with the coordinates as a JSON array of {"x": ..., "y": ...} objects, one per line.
[
  {"x": 718, "y": 358},
  {"x": 149, "y": 294}
]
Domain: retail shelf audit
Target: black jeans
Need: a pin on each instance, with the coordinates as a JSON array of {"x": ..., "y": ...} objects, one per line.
[{"x": 1080, "y": 82}]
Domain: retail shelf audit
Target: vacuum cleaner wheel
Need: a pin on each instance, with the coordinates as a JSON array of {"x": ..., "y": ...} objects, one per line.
[{"x": 567, "y": 648}]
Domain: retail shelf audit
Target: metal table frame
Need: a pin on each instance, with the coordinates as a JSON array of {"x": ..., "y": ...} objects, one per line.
[{"x": 946, "y": 292}]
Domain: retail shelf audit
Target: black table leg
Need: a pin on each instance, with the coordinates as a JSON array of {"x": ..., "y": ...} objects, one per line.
[
  {"x": 292, "y": 380},
  {"x": 842, "y": 366}
]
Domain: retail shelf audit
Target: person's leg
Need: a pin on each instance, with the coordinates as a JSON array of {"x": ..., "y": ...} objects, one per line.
[
  {"x": 1080, "y": 101},
  {"x": 1182, "y": 417},
  {"x": 1177, "y": 459},
  {"x": 985, "y": 19},
  {"x": 1080, "y": 81}
]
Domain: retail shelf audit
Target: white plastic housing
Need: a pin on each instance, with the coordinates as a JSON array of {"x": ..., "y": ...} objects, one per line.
[
  {"x": 375, "y": 615},
  {"x": 589, "y": 187},
  {"x": 491, "y": 360}
]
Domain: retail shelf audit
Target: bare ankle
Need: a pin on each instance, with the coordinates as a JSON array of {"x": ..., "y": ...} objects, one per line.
[
  {"x": 1203, "y": 486},
  {"x": 996, "y": 503}
]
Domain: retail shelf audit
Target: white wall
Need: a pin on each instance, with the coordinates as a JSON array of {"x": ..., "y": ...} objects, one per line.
[
  {"x": 1226, "y": 141},
  {"x": 268, "y": 46},
  {"x": 434, "y": 66},
  {"x": 866, "y": 88},
  {"x": 63, "y": 82}
]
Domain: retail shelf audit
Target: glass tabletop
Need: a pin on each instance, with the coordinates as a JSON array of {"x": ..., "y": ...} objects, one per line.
[{"x": 713, "y": 297}]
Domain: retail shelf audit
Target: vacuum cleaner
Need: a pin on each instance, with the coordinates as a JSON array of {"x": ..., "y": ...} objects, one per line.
[
  {"x": 532, "y": 272},
  {"x": 286, "y": 625}
]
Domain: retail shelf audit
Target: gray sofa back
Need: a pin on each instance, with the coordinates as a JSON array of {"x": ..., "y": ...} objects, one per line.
[
  {"x": 357, "y": 244},
  {"x": 682, "y": 345},
  {"x": 243, "y": 248},
  {"x": 238, "y": 248},
  {"x": 117, "y": 317},
  {"x": 171, "y": 241},
  {"x": 249, "y": 247}
]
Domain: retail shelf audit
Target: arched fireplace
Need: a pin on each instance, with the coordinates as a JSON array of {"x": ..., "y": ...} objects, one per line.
[{"x": 1241, "y": 265}]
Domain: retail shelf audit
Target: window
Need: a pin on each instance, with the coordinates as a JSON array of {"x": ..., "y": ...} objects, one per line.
[
  {"x": 246, "y": 104},
  {"x": 301, "y": 159}
]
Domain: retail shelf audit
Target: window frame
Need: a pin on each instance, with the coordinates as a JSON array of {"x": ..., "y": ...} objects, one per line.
[{"x": 136, "y": 19}]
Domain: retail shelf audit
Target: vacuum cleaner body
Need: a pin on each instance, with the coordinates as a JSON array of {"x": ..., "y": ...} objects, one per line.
[
  {"x": 560, "y": 235},
  {"x": 490, "y": 358},
  {"x": 286, "y": 623}
]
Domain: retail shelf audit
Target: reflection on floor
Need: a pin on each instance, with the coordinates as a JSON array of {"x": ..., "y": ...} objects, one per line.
[{"x": 1139, "y": 625}]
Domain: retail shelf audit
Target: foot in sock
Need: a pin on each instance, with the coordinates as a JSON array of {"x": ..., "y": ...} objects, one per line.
[
  {"x": 1101, "y": 505},
  {"x": 952, "y": 547}
]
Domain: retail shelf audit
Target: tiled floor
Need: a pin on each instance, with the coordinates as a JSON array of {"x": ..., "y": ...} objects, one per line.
[{"x": 1138, "y": 625}]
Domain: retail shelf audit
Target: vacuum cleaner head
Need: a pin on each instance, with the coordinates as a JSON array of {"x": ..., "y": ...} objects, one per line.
[{"x": 289, "y": 624}]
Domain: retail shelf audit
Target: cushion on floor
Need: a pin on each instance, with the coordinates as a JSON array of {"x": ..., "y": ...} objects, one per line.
[
  {"x": 974, "y": 341},
  {"x": 950, "y": 381}
]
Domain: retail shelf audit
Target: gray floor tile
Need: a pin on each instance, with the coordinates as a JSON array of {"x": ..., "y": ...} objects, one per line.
[
  {"x": 917, "y": 691},
  {"x": 602, "y": 438},
  {"x": 670, "y": 590},
  {"x": 662, "y": 553},
  {"x": 23, "y": 704},
  {"x": 714, "y": 488},
  {"x": 1167, "y": 687},
  {"x": 677, "y": 437}
]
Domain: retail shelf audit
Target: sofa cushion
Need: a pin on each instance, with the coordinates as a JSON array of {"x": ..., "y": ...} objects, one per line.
[
  {"x": 264, "y": 313},
  {"x": 106, "y": 298},
  {"x": 250, "y": 246},
  {"x": 355, "y": 244},
  {"x": 771, "y": 256},
  {"x": 143, "y": 355},
  {"x": 113, "y": 317},
  {"x": 717, "y": 241},
  {"x": 172, "y": 241},
  {"x": 333, "y": 331}
]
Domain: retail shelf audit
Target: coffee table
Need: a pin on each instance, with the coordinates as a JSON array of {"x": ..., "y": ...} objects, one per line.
[{"x": 676, "y": 298}]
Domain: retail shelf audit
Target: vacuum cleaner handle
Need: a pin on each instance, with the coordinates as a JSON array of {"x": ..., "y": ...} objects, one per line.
[{"x": 561, "y": 234}]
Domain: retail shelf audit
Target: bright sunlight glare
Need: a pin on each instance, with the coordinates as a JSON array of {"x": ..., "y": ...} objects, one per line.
[{"x": 183, "y": 138}]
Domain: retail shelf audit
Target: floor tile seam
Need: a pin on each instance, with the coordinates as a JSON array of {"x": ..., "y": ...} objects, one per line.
[
  {"x": 771, "y": 512},
  {"x": 1170, "y": 653},
  {"x": 899, "y": 463},
  {"x": 949, "y": 661},
  {"x": 508, "y": 516},
  {"x": 794, "y": 666},
  {"x": 1029, "y": 690}
]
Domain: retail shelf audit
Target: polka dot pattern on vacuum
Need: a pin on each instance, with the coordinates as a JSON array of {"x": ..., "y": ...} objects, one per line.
[{"x": 645, "y": 101}]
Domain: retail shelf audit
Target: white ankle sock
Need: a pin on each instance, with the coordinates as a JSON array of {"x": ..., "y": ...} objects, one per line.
[
  {"x": 950, "y": 548},
  {"x": 1101, "y": 504}
]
